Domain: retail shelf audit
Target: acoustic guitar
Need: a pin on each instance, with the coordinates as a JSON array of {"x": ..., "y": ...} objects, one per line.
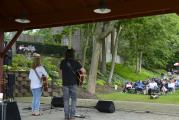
[
  {"x": 80, "y": 77},
  {"x": 45, "y": 83}
]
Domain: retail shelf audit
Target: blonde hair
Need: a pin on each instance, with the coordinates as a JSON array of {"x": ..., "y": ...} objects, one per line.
[{"x": 36, "y": 62}]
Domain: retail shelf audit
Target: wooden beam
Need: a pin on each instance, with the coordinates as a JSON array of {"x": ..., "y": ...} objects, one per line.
[
  {"x": 11, "y": 43},
  {"x": 1, "y": 60}
]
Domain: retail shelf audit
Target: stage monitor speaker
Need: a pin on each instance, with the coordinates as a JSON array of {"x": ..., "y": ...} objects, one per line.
[
  {"x": 105, "y": 106},
  {"x": 9, "y": 111},
  {"x": 57, "y": 102}
]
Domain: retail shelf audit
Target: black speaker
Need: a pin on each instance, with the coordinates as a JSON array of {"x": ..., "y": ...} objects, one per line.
[
  {"x": 105, "y": 106},
  {"x": 57, "y": 102},
  {"x": 9, "y": 111}
]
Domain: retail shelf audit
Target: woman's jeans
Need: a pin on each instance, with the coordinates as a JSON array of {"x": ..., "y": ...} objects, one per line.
[
  {"x": 37, "y": 92},
  {"x": 70, "y": 97}
]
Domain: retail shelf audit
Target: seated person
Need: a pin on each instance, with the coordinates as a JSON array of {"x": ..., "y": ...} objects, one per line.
[
  {"x": 139, "y": 86},
  {"x": 128, "y": 87},
  {"x": 171, "y": 86},
  {"x": 164, "y": 87},
  {"x": 159, "y": 83},
  {"x": 176, "y": 84},
  {"x": 152, "y": 87}
]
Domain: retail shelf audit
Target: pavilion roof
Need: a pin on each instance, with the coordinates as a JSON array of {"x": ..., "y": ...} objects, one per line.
[{"x": 51, "y": 13}]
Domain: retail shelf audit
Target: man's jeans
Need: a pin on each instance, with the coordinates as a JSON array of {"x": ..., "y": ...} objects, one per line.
[
  {"x": 37, "y": 92},
  {"x": 70, "y": 96}
]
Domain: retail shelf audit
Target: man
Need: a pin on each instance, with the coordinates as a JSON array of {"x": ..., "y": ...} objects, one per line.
[
  {"x": 68, "y": 67},
  {"x": 152, "y": 87},
  {"x": 139, "y": 86}
]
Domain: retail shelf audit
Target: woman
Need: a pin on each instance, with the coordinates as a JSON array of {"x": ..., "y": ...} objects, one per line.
[{"x": 36, "y": 72}]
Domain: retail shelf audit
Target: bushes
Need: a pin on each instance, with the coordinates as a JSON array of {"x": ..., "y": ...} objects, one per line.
[
  {"x": 51, "y": 66},
  {"x": 45, "y": 49},
  {"x": 100, "y": 82},
  {"x": 20, "y": 63}
]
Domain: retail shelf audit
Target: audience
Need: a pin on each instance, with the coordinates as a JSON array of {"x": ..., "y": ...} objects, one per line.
[{"x": 152, "y": 86}]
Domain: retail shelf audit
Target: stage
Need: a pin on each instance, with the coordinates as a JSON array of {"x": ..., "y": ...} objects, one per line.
[{"x": 124, "y": 111}]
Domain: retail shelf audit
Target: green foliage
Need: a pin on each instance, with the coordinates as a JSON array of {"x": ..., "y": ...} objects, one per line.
[
  {"x": 57, "y": 38},
  {"x": 45, "y": 49},
  {"x": 155, "y": 36},
  {"x": 157, "y": 71},
  {"x": 117, "y": 82},
  {"x": 51, "y": 65},
  {"x": 128, "y": 73},
  {"x": 20, "y": 63},
  {"x": 100, "y": 82},
  {"x": 58, "y": 82}
]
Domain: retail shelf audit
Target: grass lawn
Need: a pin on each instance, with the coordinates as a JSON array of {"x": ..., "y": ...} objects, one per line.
[
  {"x": 118, "y": 96},
  {"x": 128, "y": 73}
]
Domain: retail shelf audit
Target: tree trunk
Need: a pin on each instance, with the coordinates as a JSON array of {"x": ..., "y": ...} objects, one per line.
[
  {"x": 70, "y": 39},
  {"x": 87, "y": 36},
  {"x": 136, "y": 67},
  {"x": 140, "y": 63},
  {"x": 94, "y": 67},
  {"x": 114, "y": 54},
  {"x": 103, "y": 62},
  {"x": 96, "y": 52},
  {"x": 137, "y": 62},
  {"x": 84, "y": 53},
  {"x": 112, "y": 40}
]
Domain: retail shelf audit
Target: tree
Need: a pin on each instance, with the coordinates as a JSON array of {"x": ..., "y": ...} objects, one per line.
[
  {"x": 102, "y": 30},
  {"x": 148, "y": 39},
  {"x": 86, "y": 32},
  {"x": 103, "y": 54},
  {"x": 114, "y": 52}
]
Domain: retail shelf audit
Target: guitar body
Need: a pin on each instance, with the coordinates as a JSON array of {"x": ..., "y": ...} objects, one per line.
[
  {"x": 45, "y": 83},
  {"x": 80, "y": 76}
]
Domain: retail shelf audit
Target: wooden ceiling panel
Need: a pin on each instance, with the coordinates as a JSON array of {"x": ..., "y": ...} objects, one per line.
[{"x": 48, "y": 13}]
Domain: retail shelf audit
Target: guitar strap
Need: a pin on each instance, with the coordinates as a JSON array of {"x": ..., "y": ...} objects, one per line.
[
  {"x": 69, "y": 66},
  {"x": 37, "y": 75},
  {"x": 44, "y": 84}
]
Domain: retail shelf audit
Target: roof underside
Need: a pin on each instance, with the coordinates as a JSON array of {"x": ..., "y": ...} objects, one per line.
[{"x": 51, "y": 13}]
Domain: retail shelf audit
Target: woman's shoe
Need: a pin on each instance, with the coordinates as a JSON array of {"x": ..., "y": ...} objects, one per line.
[
  {"x": 37, "y": 114},
  {"x": 33, "y": 114}
]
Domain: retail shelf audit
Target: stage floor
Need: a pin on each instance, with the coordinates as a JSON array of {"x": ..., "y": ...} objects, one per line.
[{"x": 93, "y": 114}]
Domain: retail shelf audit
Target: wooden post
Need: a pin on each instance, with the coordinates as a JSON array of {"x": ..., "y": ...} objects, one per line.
[
  {"x": 1, "y": 60},
  {"x": 3, "y": 51},
  {"x": 9, "y": 45}
]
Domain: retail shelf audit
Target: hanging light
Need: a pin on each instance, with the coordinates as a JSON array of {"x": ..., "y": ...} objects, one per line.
[
  {"x": 23, "y": 18},
  {"x": 102, "y": 8}
]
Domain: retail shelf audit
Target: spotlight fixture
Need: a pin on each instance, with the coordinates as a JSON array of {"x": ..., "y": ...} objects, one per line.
[
  {"x": 23, "y": 18},
  {"x": 102, "y": 9}
]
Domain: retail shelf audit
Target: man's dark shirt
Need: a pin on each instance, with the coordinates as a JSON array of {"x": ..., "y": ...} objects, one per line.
[{"x": 68, "y": 76}]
